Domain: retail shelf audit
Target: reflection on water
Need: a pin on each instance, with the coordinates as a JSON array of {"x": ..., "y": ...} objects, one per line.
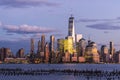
[{"x": 60, "y": 72}]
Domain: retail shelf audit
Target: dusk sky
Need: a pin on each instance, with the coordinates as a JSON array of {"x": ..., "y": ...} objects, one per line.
[{"x": 21, "y": 20}]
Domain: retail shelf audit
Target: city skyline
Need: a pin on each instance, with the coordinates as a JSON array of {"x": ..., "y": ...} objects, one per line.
[{"x": 20, "y": 22}]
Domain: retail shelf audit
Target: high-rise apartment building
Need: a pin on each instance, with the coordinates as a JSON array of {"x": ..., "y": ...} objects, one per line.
[
  {"x": 81, "y": 47},
  {"x": 104, "y": 55},
  {"x": 52, "y": 43},
  {"x": 71, "y": 28},
  {"x": 47, "y": 53},
  {"x": 20, "y": 53},
  {"x": 5, "y": 53},
  {"x": 42, "y": 43}
]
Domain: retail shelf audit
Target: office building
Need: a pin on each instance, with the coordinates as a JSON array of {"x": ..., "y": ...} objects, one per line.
[
  {"x": 42, "y": 43},
  {"x": 116, "y": 57},
  {"x": 104, "y": 55},
  {"x": 71, "y": 28},
  {"x": 78, "y": 37},
  {"x": 20, "y": 53},
  {"x": 66, "y": 58},
  {"x": 68, "y": 45},
  {"x": 60, "y": 45},
  {"x": 46, "y": 53},
  {"x": 91, "y": 53},
  {"x": 52, "y": 43},
  {"x": 111, "y": 50},
  {"x": 81, "y": 45},
  {"x": 5, "y": 53}
]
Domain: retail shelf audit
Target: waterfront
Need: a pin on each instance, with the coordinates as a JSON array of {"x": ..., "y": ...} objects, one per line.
[{"x": 60, "y": 74}]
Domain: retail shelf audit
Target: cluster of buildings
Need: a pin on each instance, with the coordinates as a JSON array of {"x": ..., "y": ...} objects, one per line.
[{"x": 71, "y": 49}]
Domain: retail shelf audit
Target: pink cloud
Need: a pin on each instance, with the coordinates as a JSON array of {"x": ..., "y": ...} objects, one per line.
[{"x": 27, "y": 29}]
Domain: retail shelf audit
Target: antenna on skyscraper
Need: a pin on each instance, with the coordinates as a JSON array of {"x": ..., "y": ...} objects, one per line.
[{"x": 71, "y": 12}]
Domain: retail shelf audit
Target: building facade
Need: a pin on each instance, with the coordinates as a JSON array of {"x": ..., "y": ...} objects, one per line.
[
  {"x": 91, "y": 53},
  {"x": 52, "y": 43},
  {"x": 71, "y": 28},
  {"x": 42, "y": 43},
  {"x": 20, "y": 53}
]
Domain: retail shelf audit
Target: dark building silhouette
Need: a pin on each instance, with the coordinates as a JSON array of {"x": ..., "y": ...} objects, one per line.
[
  {"x": 32, "y": 46},
  {"x": 111, "y": 52},
  {"x": 20, "y": 53},
  {"x": 5, "y": 53},
  {"x": 111, "y": 48},
  {"x": 51, "y": 48},
  {"x": 39, "y": 48}
]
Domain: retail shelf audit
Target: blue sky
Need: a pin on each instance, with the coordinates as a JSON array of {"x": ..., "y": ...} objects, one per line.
[{"x": 21, "y": 20}]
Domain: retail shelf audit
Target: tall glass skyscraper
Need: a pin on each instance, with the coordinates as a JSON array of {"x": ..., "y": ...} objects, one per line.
[
  {"x": 42, "y": 43},
  {"x": 52, "y": 43},
  {"x": 71, "y": 29}
]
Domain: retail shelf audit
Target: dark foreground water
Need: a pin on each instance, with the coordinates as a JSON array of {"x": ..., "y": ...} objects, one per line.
[{"x": 59, "y": 71}]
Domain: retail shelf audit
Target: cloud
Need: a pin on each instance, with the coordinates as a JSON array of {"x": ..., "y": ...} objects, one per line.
[
  {"x": 26, "y": 3},
  {"x": 93, "y": 20},
  {"x": 105, "y": 26},
  {"x": 98, "y": 20},
  {"x": 26, "y": 29}
]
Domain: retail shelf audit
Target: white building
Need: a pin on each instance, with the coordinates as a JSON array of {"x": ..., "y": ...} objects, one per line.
[{"x": 78, "y": 37}]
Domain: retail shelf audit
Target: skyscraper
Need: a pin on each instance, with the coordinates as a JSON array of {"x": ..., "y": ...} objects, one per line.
[
  {"x": 39, "y": 45},
  {"x": 46, "y": 53},
  {"x": 104, "y": 55},
  {"x": 42, "y": 43},
  {"x": 104, "y": 50},
  {"x": 20, "y": 53},
  {"x": 91, "y": 53},
  {"x": 111, "y": 48},
  {"x": 68, "y": 45},
  {"x": 32, "y": 46},
  {"x": 71, "y": 29},
  {"x": 52, "y": 43},
  {"x": 81, "y": 47},
  {"x": 60, "y": 45},
  {"x": 4, "y": 53}
]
